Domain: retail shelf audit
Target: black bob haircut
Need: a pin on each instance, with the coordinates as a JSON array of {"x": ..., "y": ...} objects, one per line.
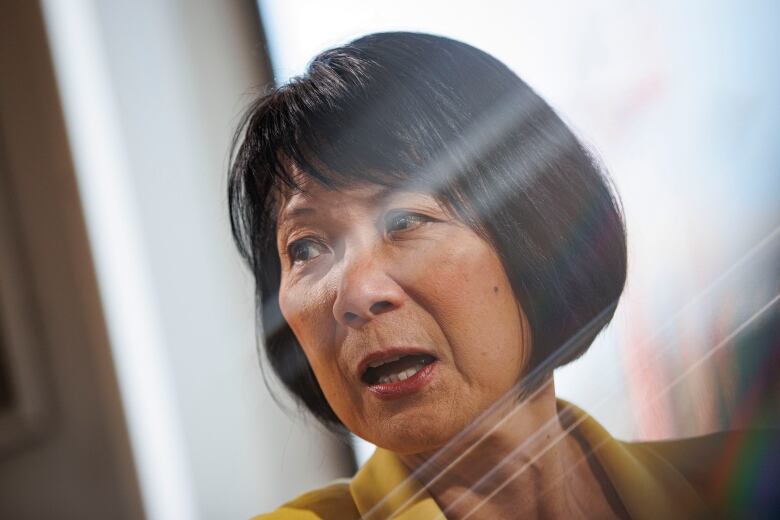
[{"x": 425, "y": 112}]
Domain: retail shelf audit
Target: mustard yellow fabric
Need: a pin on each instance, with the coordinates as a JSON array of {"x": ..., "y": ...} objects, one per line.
[{"x": 648, "y": 481}]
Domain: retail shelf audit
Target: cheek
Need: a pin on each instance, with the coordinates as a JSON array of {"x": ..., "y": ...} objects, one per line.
[
  {"x": 474, "y": 305},
  {"x": 307, "y": 313},
  {"x": 310, "y": 317}
]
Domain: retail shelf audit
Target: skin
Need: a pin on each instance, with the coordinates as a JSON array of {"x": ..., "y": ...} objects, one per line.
[{"x": 366, "y": 269}]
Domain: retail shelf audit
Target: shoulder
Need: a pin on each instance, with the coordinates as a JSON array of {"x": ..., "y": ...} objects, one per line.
[
  {"x": 332, "y": 501},
  {"x": 732, "y": 471},
  {"x": 692, "y": 457}
]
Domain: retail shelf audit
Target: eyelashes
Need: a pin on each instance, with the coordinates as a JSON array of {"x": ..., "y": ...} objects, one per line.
[
  {"x": 395, "y": 223},
  {"x": 304, "y": 250},
  {"x": 398, "y": 221}
]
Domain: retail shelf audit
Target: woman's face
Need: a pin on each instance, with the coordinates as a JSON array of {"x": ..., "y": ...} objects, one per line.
[{"x": 405, "y": 314}]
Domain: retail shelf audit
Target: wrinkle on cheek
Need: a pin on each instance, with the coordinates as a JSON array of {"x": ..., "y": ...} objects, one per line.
[
  {"x": 293, "y": 309},
  {"x": 308, "y": 311}
]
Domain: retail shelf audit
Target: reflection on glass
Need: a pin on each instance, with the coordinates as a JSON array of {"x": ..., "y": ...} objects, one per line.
[{"x": 430, "y": 241}]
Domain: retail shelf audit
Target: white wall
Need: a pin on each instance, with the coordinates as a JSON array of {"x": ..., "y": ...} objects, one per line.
[{"x": 151, "y": 91}]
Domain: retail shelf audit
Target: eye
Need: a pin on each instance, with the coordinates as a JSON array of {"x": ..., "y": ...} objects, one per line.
[
  {"x": 305, "y": 249},
  {"x": 404, "y": 221}
]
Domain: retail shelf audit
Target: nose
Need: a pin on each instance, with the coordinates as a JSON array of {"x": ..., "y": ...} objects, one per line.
[{"x": 365, "y": 291}]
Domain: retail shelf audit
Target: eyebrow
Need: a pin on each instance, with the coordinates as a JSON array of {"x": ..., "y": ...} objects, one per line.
[
  {"x": 299, "y": 209},
  {"x": 296, "y": 212},
  {"x": 289, "y": 214},
  {"x": 293, "y": 208}
]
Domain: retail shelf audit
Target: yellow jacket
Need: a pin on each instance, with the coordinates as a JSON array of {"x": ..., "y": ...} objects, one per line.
[{"x": 656, "y": 480}]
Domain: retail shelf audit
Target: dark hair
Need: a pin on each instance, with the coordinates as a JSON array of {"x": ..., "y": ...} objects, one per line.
[{"x": 423, "y": 111}]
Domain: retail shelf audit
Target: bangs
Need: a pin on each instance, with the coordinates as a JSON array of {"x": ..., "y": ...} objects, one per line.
[
  {"x": 342, "y": 150},
  {"x": 351, "y": 118},
  {"x": 339, "y": 141}
]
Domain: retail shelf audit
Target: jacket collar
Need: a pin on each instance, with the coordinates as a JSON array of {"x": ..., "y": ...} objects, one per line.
[
  {"x": 648, "y": 485},
  {"x": 383, "y": 488}
]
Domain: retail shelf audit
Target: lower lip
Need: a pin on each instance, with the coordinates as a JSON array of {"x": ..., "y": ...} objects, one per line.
[{"x": 408, "y": 386}]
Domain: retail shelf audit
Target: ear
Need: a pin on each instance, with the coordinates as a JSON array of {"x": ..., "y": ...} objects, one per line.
[{"x": 527, "y": 336}]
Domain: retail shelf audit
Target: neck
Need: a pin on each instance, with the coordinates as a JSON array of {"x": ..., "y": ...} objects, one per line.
[{"x": 520, "y": 461}]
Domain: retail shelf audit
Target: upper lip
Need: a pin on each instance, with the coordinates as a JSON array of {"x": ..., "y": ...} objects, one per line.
[{"x": 389, "y": 353}]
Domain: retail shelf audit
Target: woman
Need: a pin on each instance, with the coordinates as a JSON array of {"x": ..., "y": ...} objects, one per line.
[{"x": 429, "y": 242}]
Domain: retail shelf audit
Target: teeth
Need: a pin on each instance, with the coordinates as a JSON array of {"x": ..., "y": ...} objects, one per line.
[
  {"x": 401, "y": 376},
  {"x": 380, "y": 363}
]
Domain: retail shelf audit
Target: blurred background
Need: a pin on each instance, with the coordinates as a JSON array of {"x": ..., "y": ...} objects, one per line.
[{"x": 129, "y": 380}]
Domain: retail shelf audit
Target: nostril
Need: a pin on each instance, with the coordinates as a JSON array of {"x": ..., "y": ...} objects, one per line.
[
  {"x": 377, "y": 308},
  {"x": 380, "y": 307}
]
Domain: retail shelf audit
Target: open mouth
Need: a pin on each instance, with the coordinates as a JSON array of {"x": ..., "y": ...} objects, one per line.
[{"x": 395, "y": 369}]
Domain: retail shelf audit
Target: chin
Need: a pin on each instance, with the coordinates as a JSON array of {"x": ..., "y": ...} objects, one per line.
[{"x": 412, "y": 435}]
